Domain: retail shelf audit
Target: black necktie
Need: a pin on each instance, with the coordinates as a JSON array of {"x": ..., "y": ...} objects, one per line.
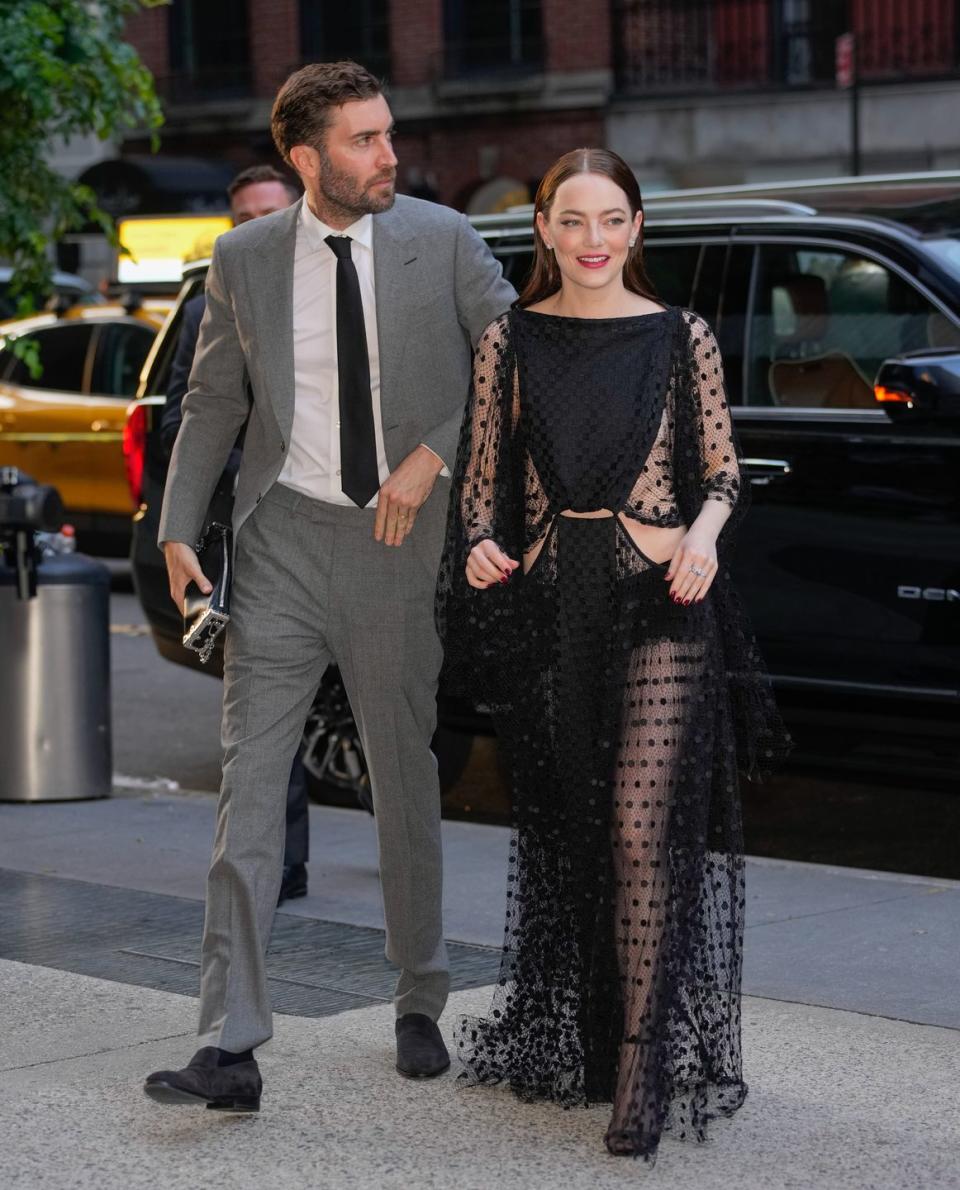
[{"x": 358, "y": 446}]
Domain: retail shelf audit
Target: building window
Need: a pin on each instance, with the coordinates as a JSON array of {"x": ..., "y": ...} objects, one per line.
[
  {"x": 359, "y": 30},
  {"x": 804, "y": 43},
  {"x": 493, "y": 37},
  {"x": 687, "y": 45},
  {"x": 209, "y": 50}
]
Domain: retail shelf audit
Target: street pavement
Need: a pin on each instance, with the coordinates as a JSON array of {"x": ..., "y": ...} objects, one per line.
[{"x": 851, "y": 1032}]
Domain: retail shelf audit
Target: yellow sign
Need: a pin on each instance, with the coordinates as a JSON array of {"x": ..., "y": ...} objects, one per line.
[{"x": 159, "y": 247}]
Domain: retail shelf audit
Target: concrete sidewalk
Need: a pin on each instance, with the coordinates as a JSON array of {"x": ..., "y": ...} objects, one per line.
[{"x": 851, "y": 1032}]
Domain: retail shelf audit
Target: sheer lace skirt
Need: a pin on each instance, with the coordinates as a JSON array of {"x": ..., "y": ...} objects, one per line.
[{"x": 620, "y": 978}]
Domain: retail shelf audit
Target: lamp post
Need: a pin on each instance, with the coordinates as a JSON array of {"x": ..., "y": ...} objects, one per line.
[{"x": 847, "y": 80}]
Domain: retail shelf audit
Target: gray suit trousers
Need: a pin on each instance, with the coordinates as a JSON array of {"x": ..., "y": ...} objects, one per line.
[{"x": 311, "y": 586}]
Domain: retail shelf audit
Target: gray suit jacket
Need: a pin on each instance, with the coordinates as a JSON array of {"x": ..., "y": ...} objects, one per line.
[{"x": 438, "y": 287}]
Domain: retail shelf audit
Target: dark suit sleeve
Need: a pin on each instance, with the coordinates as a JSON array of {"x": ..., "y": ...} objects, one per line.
[
  {"x": 180, "y": 370},
  {"x": 481, "y": 295}
]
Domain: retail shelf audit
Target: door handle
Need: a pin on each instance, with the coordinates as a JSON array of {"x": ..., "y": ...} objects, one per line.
[{"x": 762, "y": 472}]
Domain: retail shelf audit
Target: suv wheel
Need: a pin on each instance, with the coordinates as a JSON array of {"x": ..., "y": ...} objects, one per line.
[{"x": 333, "y": 754}]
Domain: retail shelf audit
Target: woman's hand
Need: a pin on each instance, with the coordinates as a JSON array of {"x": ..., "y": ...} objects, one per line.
[
  {"x": 693, "y": 566},
  {"x": 488, "y": 564}
]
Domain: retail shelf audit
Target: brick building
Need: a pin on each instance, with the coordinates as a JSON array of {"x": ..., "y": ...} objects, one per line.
[
  {"x": 486, "y": 95},
  {"x": 488, "y": 92},
  {"x": 713, "y": 92}
]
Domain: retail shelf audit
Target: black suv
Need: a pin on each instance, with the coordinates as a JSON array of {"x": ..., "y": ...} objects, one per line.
[{"x": 837, "y": 308}]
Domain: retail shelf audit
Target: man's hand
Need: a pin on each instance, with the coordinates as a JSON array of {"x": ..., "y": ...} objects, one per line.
[
  {"x": 404, "y": 493},
  {"x": 183, "y": 567}
]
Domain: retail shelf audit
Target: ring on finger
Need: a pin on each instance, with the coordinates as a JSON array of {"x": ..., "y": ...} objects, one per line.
[{"x": 698, "y": 572}]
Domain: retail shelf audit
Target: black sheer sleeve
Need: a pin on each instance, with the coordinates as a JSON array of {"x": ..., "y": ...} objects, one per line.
[
  {"x": 478, "y": 627},
  {"x": 719, "y": 468},
  {"x": 706, "y": 468},
  {"x": 489, "y": 417}
]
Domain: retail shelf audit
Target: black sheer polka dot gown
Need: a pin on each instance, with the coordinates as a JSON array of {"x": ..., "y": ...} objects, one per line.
[{"x": 624, "y": 717}]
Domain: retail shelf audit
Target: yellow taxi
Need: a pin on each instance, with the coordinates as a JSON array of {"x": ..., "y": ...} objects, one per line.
[{"x": 66, "y": 426}]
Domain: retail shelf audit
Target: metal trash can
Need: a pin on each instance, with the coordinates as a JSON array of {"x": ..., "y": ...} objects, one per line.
[{"x": 55, "y": 740}]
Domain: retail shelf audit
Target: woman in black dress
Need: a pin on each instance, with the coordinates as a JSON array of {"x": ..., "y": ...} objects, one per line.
[{"x": 583, "y": 596}]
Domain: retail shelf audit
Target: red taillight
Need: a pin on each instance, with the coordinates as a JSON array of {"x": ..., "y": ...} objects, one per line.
[
  {"x": 891, "y": 396},
  {"x": 135, "y": 449}
]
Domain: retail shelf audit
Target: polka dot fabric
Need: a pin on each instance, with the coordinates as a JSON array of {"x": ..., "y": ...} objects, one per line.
[{"x": 622, "y": 715}]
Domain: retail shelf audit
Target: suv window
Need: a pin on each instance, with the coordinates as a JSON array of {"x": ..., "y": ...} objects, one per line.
[
  {"x": 63, "y": 356},
  {"x": 672, "y": 268},
  {"x": 515, "y": 255},
  {"x": 824, "y": 320},
  {"x": 708, "y": 283},
  {"x": 732, "y": 304},
  {"x": 121, "y": 350}
]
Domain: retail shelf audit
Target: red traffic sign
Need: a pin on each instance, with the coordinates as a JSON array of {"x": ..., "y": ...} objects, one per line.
[{"x": 845, "y": 61}]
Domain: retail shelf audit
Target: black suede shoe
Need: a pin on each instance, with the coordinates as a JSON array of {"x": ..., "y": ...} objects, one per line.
[
  {"x": 204, "y": 1081},
  {"x": 294, "y": 883},
  {"x": 420, "y": 1049}
]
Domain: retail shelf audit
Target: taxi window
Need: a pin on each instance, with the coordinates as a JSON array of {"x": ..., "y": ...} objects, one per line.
[
  {"x": 824, "y": 321},
  {"x": 121, "y": 351},
  {"x": 63, "y": 358}
]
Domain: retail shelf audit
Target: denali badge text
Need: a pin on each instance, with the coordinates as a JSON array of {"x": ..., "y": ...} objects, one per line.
[{"x": 931, "y": 594}]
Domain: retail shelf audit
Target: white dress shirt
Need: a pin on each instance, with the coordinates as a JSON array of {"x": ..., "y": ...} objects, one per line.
[{"x": 312, "y": 465}]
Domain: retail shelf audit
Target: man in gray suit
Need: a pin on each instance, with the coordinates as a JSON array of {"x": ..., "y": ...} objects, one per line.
[
  {"x": 350, "y": 318},
  {"x": 254, "y": 192}
]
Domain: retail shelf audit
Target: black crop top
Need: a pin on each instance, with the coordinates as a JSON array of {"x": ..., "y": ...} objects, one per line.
[{"x": 594, "y": 416}]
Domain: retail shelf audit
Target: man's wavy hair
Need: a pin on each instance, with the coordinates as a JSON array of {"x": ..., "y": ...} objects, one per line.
[{"x": 304, "y": 105}]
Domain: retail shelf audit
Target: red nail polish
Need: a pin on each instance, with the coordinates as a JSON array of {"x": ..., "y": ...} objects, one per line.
[
  {"x": 503, "y": 580},
  {"x": 685, "y": 602}
]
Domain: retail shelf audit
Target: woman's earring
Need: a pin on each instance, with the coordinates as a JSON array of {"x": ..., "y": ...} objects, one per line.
[{"x": 632, "y": 243}]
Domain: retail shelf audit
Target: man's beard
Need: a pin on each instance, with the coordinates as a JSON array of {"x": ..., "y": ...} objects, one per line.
[{"x": 342, "y": 193}]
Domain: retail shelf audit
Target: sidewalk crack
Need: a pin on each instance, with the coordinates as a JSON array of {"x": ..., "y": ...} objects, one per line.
[
  {"x": 111, "y": 1049},
  {"x": 775, "y": 921},
  {"x": 883, "y": 1016}
]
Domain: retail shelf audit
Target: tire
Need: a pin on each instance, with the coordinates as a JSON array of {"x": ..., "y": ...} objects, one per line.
[{"x": 333, "y": 754}]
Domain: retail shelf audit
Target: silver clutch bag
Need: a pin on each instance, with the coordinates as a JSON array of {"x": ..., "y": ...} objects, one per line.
[{"x": 206, "y": 616}]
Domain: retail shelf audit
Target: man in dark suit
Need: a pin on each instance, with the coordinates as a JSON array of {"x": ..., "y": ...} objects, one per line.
[
  {"x": 257, "y": 191},
  {"x": 339, "y": 332}
]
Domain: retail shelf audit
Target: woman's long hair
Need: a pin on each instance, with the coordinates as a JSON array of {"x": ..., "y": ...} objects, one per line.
[{"x": 544, "y": 278}]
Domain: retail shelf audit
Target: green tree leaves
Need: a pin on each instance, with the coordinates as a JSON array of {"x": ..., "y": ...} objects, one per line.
[{"x": 65, "y": 71}]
